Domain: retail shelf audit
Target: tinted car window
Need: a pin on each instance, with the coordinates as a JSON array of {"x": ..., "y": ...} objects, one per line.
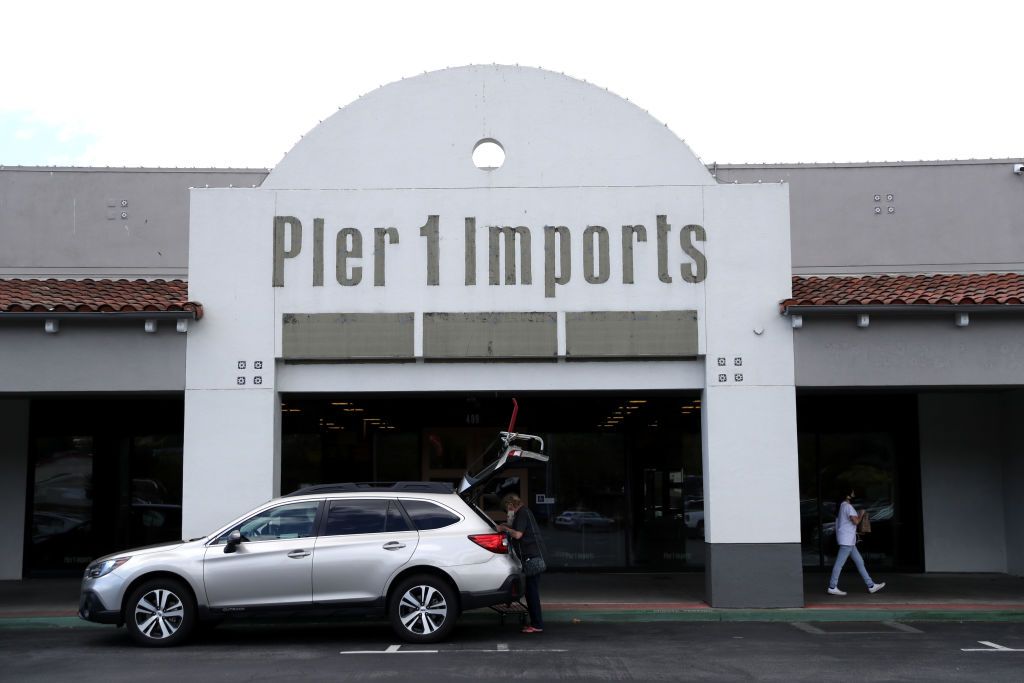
[
  {"x": 364, "y": 517},
  {"x": 284, "y": 521},
  {"x": 428, "y": 515}
]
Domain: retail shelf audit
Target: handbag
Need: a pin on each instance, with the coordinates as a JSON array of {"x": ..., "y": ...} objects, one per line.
[{"x": 532, "y": 566}]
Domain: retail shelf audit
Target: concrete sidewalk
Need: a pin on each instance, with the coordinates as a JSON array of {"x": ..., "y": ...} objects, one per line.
[
  {"x": 660, "y": 597},
  {"x": 639, "y": 597}
]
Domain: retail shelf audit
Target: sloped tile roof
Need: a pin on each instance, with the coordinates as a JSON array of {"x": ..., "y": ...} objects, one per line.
[
  {"x": 122, "y": 296},
  {"x": 882, "y": 290},
  {"x": 92, "y": 296}
]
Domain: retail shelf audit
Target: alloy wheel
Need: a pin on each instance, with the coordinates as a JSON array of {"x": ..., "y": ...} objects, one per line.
[
  {"x": 159, "y": 614},
  {"x": 423, "y": 610}
]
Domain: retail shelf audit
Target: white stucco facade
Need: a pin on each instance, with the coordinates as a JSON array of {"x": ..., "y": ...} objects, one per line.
[{"x": 369, "y": 185}]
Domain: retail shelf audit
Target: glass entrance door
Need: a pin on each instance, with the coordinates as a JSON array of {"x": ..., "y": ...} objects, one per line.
[{"x": 668, "y": 500}]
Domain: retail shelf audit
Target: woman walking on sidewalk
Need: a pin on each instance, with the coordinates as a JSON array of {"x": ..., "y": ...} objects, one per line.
[
  {"x": 846, "y": 534},
  {"x": 522, "y": 527}
]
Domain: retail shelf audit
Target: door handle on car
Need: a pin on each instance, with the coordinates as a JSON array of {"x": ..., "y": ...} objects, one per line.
[
  {"x": 296, "y": 554},
  {"x": 393, "y": 545}
]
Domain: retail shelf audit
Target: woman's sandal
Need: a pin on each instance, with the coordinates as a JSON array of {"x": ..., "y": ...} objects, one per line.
[{"x": 531, "y": 629}]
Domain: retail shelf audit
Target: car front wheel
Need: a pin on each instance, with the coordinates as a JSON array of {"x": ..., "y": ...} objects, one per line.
[
  {"x": 423, "y": 609},
  {"x": 160, "y": 613}
]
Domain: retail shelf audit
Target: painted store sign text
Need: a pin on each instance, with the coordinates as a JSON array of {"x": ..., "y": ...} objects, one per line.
[{"x": 684, "y": 262}]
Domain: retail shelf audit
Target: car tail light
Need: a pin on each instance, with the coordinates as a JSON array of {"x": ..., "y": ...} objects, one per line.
[{"x": 496, "y": 543}]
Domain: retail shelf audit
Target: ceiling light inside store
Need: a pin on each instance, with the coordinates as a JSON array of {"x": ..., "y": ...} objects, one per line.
[
  {"x": 638, "y": 401},
  {"x": 340, "y": 403}
]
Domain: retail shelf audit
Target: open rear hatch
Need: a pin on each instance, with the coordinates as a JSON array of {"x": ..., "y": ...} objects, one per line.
[{"x": 514, "y": 453}]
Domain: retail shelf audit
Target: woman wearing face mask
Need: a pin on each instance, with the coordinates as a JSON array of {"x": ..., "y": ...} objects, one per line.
[
  {"x": 846, "y": 534},
  {"x": 522, "y": 527}
]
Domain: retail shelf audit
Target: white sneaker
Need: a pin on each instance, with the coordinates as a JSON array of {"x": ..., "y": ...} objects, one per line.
[
  {"x": 836, "y": 591},
  {"x": 877, "y": 587}
]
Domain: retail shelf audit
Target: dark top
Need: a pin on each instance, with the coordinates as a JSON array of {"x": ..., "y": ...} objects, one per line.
[{"x": 528, "y": 545}]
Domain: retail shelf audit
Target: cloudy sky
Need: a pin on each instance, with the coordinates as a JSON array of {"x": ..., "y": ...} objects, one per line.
[{"x": 236, "y": 83}]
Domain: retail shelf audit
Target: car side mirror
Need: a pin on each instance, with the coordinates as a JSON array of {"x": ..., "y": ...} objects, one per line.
[{"x": 234, "y": 538}]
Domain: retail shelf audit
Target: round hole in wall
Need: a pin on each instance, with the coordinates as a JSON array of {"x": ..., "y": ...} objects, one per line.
[{"x": 488, "y": 154}]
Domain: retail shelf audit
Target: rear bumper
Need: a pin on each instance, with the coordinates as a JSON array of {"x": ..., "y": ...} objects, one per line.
[
  {"x": 511, "y": 590},
  {"x": 91, "y": 608}
]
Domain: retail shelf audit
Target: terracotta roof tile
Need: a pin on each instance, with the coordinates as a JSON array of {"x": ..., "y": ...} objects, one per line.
[
  {"x": 944, "y": 290},
  {"x": 90, "y": 296},
  {"x": 114, "y": 296}
]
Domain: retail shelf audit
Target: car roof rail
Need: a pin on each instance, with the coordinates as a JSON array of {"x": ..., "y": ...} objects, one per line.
[{"x": 375, "y": 487}]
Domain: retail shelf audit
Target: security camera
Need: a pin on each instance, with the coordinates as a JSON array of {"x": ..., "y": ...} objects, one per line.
[{"x": 1018, "y": 169}]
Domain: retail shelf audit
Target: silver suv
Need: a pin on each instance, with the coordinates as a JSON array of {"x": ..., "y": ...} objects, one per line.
[{"x": 419, "y": 552}]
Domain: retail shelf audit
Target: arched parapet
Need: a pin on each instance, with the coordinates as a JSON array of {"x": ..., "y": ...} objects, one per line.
[{"x": 556, "y": 131}]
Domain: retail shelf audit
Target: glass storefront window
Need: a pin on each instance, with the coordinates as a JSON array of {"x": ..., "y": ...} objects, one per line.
[
  {"x": 865, "y": 462},
  {"x": 154, "y": 510},
  {"x": 106, "y": 476},
  {"x": 868, "y": 443},
  {"x": 62, "y": 504},
  {"x": 584, "y": 517},
  {"x": 623, "y": 487}
]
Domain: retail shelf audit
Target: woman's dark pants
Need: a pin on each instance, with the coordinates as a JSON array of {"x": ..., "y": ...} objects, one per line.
[{"x": 533, "y": 601}]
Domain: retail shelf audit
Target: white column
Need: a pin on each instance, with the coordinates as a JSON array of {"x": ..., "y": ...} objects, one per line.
[
  {"x": 231, "y": 455},
  {"x": 751, "y": 475},
  {"x": 232, "y": 412}
]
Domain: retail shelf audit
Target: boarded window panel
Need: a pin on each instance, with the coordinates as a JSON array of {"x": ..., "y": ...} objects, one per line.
[
  {"x": 347, "y": 336},
  {"x": 451, "y": 336},
  {"x": 631, "y": 334}
]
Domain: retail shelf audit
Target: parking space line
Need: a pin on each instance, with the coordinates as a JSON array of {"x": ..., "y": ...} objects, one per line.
[
  {"x": 990, "y": 647},
  {"x": 906, "y": 628},
  {"x": 500, "y": 647},
  {"x": 391, "y": 650},
  {"x": 891, "y": 625}
]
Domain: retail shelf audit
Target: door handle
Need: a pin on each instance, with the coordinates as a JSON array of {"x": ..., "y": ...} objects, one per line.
[
  {"x": 296, "y": 554},
  {"x": 393, "y": 545}
]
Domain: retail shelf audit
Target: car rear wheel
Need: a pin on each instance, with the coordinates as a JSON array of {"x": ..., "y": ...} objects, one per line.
[
  {"x": 160, "y": 613},
  {"x": 423, "y": 609}
]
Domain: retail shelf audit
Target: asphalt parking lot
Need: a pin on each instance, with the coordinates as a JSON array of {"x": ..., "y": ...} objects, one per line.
[{"x": 483, "y": 649}]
